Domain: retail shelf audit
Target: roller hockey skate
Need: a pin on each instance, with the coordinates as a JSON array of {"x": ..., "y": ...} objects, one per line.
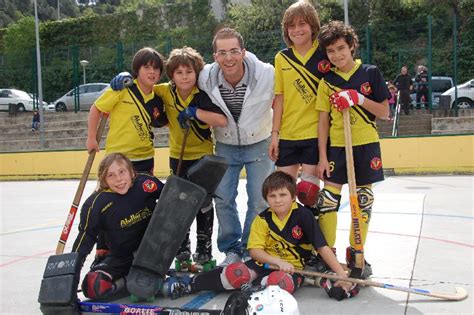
[
  {"x": 350, "y": 260},
  {"x": 176, "y": 287},
  {"x": 203, "y": 257},
  {"x": 183, "y": 258}
]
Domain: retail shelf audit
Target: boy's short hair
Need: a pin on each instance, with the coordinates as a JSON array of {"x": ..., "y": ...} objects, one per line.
[
  {"x": 145, "y": 56},
  {"x": 105, "y": 164},
  {"x": 278, "y": 180},
  {"x": 226, "y": 33},
  {"x": 335, "y": 30},
  {"x": 304, "y": 10},
  {"x": 185, "y": 56}
]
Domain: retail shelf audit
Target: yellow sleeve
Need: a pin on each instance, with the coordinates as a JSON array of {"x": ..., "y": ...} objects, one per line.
[
  {"x": 279, "y": 86},
  {"x": 322, "y": 102},
  {"x": 107, "y": 101},
  {"x": 161, "y": 89},
  {"x": 258, "y": 232}
]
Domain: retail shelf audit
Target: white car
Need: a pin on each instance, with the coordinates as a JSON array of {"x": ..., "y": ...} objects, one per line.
[
  {"x": 21, "y": 99},
  {"x": 465, "y": 95},
  {"x": 88, "y": 93}
]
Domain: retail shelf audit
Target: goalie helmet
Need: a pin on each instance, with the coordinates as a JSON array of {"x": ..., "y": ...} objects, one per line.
[{"x": 273, "y": 300}]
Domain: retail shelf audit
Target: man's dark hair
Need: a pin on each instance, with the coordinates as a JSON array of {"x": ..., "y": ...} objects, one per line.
[{"x": 225, "y": 33}]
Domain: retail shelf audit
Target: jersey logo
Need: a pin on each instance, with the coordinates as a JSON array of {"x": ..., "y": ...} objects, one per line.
[
  {"x": 296, "y": 232},
  {"x": 149, "y": 186},
  {"x": 365, "y": 88},
  {"x": 156, "y": 112},
  {"x": 376, "y": 163},
  {"x": 324, "y": 66}
]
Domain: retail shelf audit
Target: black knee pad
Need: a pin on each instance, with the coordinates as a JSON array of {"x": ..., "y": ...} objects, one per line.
[{"x": 365, "y": 197}]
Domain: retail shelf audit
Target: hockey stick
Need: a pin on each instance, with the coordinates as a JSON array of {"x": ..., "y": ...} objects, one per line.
[
  {"x": 125, "y": 309},
  {"x": 460, "y": 294},
  {"x": 183, "y": 146},
  {"x": 356, "y": 216},
  {"x": 396, "y": 119},
  {"x": 80, "y": 189}
]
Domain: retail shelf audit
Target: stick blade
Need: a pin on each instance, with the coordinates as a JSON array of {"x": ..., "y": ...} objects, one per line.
[{"x": 460, "y": 295}]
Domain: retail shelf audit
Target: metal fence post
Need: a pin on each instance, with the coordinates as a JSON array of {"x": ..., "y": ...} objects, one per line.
[{"x": 75, "y": 76}]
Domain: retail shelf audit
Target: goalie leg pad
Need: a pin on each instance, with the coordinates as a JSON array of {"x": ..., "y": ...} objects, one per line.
[
  {"x": 59, "y": 285},
  {"x": 234, "y": 275},
  {"x": 97, "y": 284}
]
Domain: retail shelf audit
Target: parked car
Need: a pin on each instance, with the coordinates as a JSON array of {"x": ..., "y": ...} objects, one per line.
[
  {"x": 88, "y": 93},
  {"x": 465, "y": 95},
  {"x": 438, "y": 86},
  {"x": 20, "y": 98}
]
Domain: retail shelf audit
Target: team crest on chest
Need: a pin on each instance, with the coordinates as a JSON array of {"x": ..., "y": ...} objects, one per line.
[
  {"x": 365, "y": 88},
  {"x": 376, "y": 163},
  {"x": 156, "y": 112},
  {"x": 324, "y": 66},
  {"x": 149, "y": 186},
  {"x": 296, "y": 232}
]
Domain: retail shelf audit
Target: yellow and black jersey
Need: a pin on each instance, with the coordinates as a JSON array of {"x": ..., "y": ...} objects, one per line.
[
  {"x": 132, "y": 113},
  {"x": 122, "y": 218},
  {"x": 290, "y": 239},
  {"x": 199, "y": 140},
  {"x": 367, "y": 80},
  {"x": 297, "y": 78}
]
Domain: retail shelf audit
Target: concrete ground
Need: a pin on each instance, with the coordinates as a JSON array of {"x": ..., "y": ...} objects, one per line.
[{"x": 421, "y": 235}]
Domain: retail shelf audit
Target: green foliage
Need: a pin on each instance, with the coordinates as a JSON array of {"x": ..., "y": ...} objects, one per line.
[{"x": 391, "y": 33}]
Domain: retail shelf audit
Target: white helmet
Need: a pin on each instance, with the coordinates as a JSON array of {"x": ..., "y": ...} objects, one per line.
[{"x": 273, "y": 300}]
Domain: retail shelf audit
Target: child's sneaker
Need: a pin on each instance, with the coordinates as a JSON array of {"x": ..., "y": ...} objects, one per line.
[
  {"x": 350, "y": 254},
  {"x": 183, "y": 256},
  {"x": 176, "y": 287},
  {"x": 203, "y": 252}
]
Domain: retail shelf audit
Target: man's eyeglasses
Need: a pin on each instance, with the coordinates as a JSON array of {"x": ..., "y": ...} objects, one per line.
[{"x": 234, "y": 52}]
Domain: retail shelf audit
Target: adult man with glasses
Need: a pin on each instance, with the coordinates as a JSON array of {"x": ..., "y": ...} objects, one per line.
[{"x": 242, "y": 86}]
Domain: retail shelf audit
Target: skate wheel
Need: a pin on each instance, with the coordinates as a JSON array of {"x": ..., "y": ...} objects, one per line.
[{"x": 177, "y": 265}]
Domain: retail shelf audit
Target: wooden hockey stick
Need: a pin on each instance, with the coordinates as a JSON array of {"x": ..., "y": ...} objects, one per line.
[
  {"x": 80, "y": 189},
  {"x": 356, "y": 216},
  {"x": 460, "y": 294},
  {"x": 183, "y": 146}
]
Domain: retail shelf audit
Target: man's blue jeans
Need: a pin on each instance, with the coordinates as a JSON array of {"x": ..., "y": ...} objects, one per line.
[{"x": 257, "y": 166}]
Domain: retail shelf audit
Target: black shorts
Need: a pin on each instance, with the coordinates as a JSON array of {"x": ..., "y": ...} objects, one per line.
[
  {"x": 298, "y": 152},
  {"x": 144, "y": 166},
  {"x": 367, "y": 164},
  {"x": 117, "y": 267}
]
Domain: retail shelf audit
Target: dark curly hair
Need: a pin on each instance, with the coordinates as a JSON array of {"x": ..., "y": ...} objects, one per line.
[{"x": 335, "y": 30}]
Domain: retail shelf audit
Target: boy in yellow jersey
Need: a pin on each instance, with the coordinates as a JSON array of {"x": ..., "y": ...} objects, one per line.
[
  {"x": 282, "y": 235},
  {"x": 132, "y": 113},
  {"x": 186, "y": 105},
  {"x": 361, "y": 88},
  {"x": 298, "y": 70}
]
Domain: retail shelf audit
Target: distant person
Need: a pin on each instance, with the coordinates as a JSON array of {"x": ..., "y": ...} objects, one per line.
[
  {"x": 283, "y": 235},
  {"x": 421, "y": 79},
  {"x": 242, "y": 86},
  {"x": 404, "y": 84},
  {"x": 132, "y": 113},
  {"x": 342, "y": 90},
  {"x": 35, "y": 123},
  {"x": 392, "y": 101},
  {"x": 120, "y": 210}
]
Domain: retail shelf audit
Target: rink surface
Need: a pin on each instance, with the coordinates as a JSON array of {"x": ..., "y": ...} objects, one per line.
[{"x": 421, "y": 235}]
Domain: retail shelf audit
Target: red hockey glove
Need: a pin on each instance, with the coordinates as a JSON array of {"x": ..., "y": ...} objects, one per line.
[{"x": 346, "y": 98}]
